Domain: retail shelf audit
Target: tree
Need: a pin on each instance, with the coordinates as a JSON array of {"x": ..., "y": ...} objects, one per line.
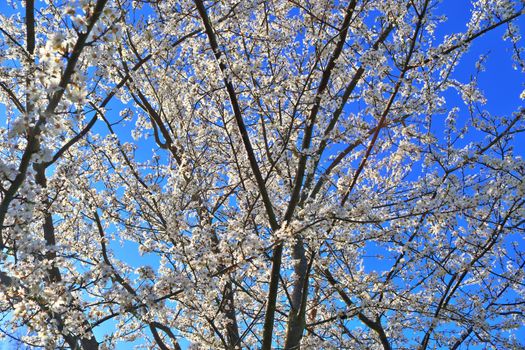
[{"x": 256, "y": 174}]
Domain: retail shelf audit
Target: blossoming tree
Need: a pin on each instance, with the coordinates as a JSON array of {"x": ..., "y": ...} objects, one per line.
[{"x": 256, "y": 174}]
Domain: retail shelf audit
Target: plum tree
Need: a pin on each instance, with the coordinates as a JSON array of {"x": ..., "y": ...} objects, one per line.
[{"x": 257, "y": 174}]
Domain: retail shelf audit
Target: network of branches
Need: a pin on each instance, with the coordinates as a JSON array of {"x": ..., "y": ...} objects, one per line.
[{"x": 257, "y": 174}]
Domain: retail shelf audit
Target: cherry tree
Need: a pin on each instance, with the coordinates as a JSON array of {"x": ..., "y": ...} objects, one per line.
[{"x": 257, "y": 174}]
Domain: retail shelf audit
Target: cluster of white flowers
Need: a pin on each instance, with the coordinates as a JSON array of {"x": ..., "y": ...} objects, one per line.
[{"x": 256, "y": 174}]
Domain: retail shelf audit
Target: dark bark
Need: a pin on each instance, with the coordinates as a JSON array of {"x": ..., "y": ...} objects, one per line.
[
  {"x": 33, "y": 134},
  {"x": 374, "y": 325},
  {"x": 153, "y": 326},
  {"x": 296, "y": 322},
  {"x": 274, "y": 225},
  {"x": 88, "y": 342}
]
